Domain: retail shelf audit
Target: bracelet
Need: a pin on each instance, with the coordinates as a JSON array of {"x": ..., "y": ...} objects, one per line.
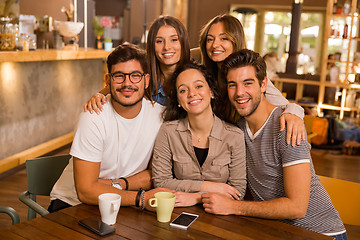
[
  {"x": 137, "y": 201},
  {"x": 126, "y": 182},
  {"x": 142, "y": 200}
]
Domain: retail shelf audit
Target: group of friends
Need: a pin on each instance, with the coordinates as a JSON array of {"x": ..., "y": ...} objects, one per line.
[{"x": 206, "y": 132}]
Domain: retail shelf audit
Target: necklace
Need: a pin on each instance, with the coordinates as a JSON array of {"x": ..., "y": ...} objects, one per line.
[
  {"x": 206, "y": 135},
  {"x": 198, "y": 138}
]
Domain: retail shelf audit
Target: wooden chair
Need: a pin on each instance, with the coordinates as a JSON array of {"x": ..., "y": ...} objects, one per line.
[
  {"x": 12, "y": 213},
  {"x": 345, "y": 196},
  {"x": 308, "y": 121},
  {"x": 42, "y": 174}
]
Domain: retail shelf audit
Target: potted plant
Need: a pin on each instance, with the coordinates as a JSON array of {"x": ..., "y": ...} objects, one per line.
[{"x": 98, "y": 32}]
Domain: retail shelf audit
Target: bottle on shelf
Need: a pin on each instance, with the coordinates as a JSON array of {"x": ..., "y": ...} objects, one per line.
[
  {"x": 346, "y": 9},
  {"x": 339, "y": 9},
  {"x": 99, "y": 43},
  {"x": 346, "y": 27},
  {"x": 25, "y": 42},
  {"x": 334, "y": 7},
  {"x": 332, "y": 32},
  {"x": 337, "y": 31}
]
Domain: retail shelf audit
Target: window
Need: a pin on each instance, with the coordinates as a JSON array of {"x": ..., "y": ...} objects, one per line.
[{"x": 268, "y": 31}]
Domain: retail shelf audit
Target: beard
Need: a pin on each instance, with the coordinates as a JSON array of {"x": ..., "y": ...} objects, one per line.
[
  {"x": 252, "y": 108},
  {"x": 122, "y": 103}
]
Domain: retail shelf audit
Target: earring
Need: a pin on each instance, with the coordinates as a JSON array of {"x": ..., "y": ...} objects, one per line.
[{"x": 179, "y": 105}]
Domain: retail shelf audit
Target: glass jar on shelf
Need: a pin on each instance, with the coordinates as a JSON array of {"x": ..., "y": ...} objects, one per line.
[
  {"x": 7, "y": 34},
  {"x": 25, "y": 42}
]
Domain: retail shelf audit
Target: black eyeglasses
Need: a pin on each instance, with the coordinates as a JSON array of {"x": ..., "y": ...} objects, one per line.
[{"x": 119, "y": 77}]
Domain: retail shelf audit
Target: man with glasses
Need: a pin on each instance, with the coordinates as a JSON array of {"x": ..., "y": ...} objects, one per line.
[{"x": 111, "y": 151}]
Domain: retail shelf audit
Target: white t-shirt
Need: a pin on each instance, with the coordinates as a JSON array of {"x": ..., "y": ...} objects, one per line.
[{"x": 123, "y": 146}]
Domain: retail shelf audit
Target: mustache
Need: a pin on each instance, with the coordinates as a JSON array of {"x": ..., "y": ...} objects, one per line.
[{"x": 126, "y": 88}]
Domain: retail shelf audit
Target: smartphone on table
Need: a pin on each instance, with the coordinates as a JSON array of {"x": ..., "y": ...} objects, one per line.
[
  {"x": 97, "y": 226},
  {"x": 184, "y": 220}
]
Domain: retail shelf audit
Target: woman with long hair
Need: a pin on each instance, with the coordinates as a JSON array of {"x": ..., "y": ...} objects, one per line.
[
  {"x": 167, "y": 47},
  {"x": 224, "y": 35},
  {"x": 195, "y": 151}
]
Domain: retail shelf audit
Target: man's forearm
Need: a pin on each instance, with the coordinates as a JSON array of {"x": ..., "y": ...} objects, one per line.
[
  {"x": 90, "y": 194},
  {"x": 135, "y": 182},
  {"x": 139, "y": 180},
  {"x": 280, "y": 208},
  {"x": 89, "y": 186},
  {"x": 105, "y": 91}
]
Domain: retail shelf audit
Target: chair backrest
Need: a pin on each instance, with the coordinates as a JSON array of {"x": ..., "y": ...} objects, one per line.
[
  {"x": 42, "y": 173},
  {"x": 345, "y": 197},
  {"x": 308, "y": 121}
]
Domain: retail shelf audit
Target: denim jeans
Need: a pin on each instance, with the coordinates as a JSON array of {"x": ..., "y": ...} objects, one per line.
[
  {"x": 57, "y": 204},
  {"x": 342, "y": 236}
]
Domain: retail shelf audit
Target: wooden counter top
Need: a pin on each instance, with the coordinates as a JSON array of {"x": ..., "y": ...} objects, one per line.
[{"x": 51, "y": 55}]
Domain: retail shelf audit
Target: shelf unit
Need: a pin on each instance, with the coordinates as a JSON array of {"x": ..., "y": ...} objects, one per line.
[{"x": 346, "y": 62}]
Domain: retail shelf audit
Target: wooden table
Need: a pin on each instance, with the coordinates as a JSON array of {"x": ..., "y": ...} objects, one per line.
[{"x": 136, "y": 224}]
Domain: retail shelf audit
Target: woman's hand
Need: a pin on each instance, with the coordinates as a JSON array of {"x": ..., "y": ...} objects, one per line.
[
  {"x": 95, "y": 103},
  {"x": 184, "y": 199},
  {"x": 222, "y": 188},
  {"x": 295, "y": 128}
]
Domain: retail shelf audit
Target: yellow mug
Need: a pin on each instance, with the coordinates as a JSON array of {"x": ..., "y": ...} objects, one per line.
[{"x": 164, "y": 203}]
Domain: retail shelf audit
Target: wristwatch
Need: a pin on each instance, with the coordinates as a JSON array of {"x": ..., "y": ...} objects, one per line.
[{"x": 116, "y": 184}]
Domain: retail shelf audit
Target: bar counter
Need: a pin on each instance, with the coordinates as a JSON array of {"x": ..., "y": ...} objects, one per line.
[
  {"x": 41, "y": 95},
  {"x": 51, "y": 55}
]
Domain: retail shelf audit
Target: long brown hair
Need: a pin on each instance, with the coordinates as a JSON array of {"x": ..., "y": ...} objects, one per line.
[
  {"x": 233, "y": 30},
  {"x": 155, "y": 71},
  {"x": 172, "y": 111}
]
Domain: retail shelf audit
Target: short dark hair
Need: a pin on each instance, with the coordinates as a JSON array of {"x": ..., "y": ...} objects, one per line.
[
  {"x": 172, "y": 111},
  {"x": 243, "y": 58},
  {"x": 127, "y": 52}
]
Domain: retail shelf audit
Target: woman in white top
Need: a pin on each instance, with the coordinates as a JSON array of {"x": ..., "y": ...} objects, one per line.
[{"x": 224, "y": 35}]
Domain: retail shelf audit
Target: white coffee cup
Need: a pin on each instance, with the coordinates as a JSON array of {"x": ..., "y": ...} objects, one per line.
[{"x": 109, "y": 205}]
